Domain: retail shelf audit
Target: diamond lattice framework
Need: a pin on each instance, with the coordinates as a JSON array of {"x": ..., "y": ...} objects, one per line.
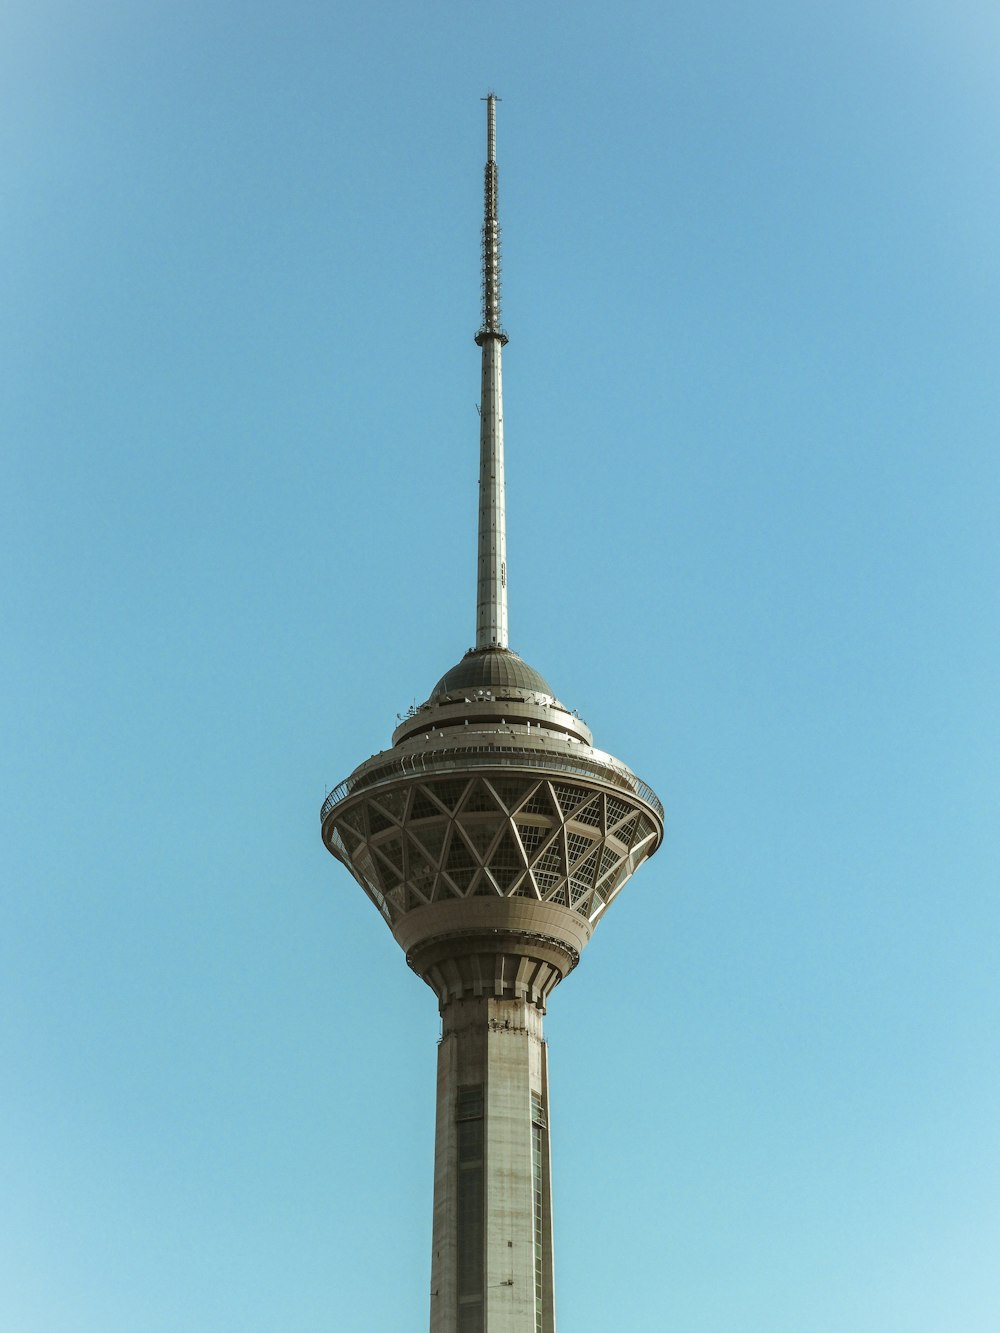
[{"x": 415, "y": 843}]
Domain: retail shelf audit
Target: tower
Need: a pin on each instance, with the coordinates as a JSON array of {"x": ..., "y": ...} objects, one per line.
[{"x": 492, "y": 837}]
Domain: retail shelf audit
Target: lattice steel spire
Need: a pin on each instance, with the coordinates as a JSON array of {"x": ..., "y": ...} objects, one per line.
[
  {"x": 491, "y": 232},
  {"x": 491, "y": 591}
]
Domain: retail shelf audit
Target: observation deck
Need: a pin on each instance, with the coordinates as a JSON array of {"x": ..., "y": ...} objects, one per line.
[{"x": 492, "y": 797}]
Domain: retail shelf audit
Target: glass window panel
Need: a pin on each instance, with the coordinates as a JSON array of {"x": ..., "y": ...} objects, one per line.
[
  {"x": 510, "y": 791},
  {"x": 377, "y": 821},
  {"x": 459, "y": 857},
  {"x": 540, "y": 803},
  {"x": 355, "y": 819},
  {"x": 617, "y": 810},
  {"x": 430, "y": 837},
  {"x": 525, "y": 889},
  {"x": 462, "y": 878},
  {"x": 422, "y": 806},
  {"x": 532, "y": 835},
  {"x": 578, "y": 846},
  {"x": 569, "y": 797},
  {"x": 625, "y": 831},
  {"x": 609, "y": 858},
  {"x": 449, "y": 793},
  {"x": 590, "y": 814},
  {"x": 481, "y": 834},
  {"x": 545, "y": 880},
  {"x": 393, "y": 802},
  {"x": 480, "y": 798},
  {"x": 392, "y": 850}
]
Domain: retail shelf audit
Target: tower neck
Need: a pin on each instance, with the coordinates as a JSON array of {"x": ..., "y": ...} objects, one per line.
[{"x": 491, "y": 590}]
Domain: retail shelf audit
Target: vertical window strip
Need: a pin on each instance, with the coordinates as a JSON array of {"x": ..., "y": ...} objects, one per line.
[
  {"x": 537, "y": 1150},
  {"x": 471, "y": 1207}
]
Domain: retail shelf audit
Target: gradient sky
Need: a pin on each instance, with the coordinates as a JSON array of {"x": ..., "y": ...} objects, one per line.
[{"x": 752, "y": 284}]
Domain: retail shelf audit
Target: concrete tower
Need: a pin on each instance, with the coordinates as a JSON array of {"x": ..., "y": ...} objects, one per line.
[{"x": 492, "y": 836}]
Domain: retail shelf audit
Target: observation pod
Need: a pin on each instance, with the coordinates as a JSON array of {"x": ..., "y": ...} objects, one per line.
[
  {"x": 492, "y": 814},
  {"x": 492, "y": 836}
]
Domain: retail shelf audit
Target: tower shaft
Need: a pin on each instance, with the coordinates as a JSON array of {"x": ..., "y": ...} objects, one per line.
[
  {"x": 491, "y": 589},
  {"x": 492, "y": 1253}
]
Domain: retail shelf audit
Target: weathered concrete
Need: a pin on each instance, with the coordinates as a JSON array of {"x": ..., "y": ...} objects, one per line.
[{"x": 507, "y": 1286}]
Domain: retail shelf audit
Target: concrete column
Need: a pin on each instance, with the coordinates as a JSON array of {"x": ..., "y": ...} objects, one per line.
[
  {"x": 492, "y": 1267},
  {"x": 444, "y": 1254}
]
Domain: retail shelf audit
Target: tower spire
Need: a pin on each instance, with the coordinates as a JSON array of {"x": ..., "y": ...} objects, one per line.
[{"x": 491, "y": 591}]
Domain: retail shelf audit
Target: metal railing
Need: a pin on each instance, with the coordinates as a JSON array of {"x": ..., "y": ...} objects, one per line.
[{"x": 491, "y": 756}]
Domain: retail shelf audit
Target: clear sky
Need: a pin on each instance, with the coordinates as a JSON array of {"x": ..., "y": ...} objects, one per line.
[{"x": 752, "y": 284}]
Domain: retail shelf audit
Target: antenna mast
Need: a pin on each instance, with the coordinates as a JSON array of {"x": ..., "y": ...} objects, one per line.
[{"x": 491, "y": 594}]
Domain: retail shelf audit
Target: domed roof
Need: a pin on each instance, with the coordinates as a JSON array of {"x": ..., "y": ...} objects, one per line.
[{"x": 492, "y": 669}]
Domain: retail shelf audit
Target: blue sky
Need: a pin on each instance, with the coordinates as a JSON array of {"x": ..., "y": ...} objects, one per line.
[{"x": 751, "y": 283}]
